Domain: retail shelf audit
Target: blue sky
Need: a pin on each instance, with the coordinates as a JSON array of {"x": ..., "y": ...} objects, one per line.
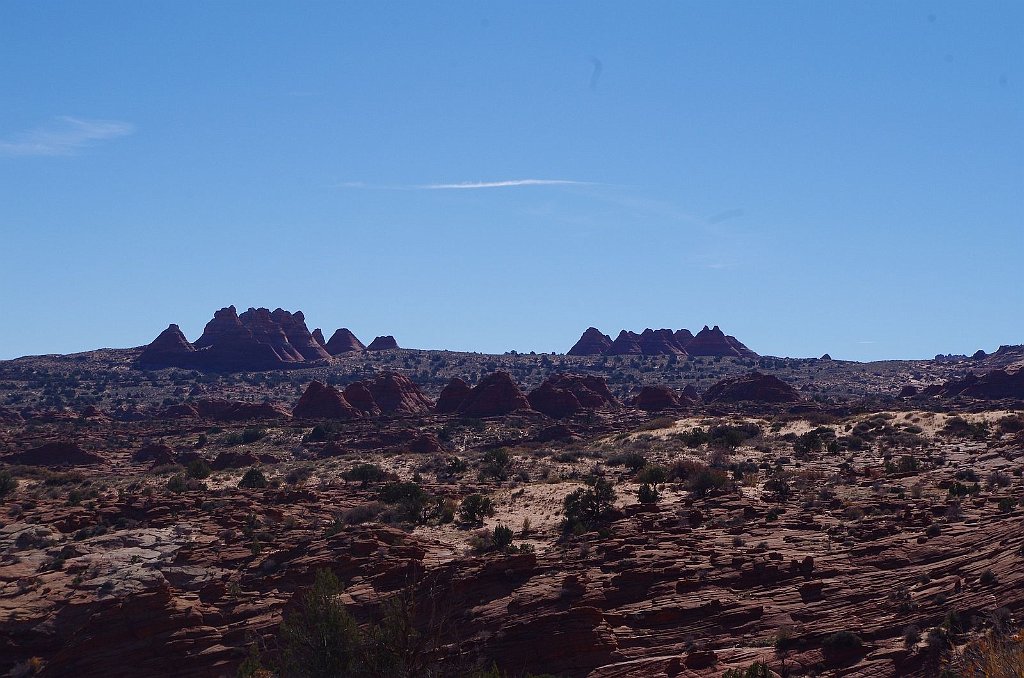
[{"x": 842, "y": 177}]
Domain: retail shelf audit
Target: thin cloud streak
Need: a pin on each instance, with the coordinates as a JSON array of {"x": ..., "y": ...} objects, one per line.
[
  {"x": 469, "y": 185},
  {"x": 64, "y": 136}
]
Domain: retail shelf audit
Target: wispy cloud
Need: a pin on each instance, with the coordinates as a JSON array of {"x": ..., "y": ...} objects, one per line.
[
  {"x": 468, "y": 185},
  {"x": 63, "y": 136}
]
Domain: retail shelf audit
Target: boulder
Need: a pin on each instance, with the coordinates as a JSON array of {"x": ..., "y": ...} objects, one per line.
[
  {"x": 321, "y": 401},
  {"x": 154, "y": 453},
  {"x": 593, "y": 342},
  {"x": 495, "y": 395}
]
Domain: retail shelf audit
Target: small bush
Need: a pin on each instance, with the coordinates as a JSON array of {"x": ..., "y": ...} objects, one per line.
[
  {"x": 253, "y": 479},
  {"x": 199, "y": 469},
  {"x": 8, "y": 483},
  {"x": 707, "y": 481},
  {"x": 365, "y": 473},
  {"x": 475, "y": 508},
  {"x": 586, "y": 508},
  {"x": 647, "y": 494}
]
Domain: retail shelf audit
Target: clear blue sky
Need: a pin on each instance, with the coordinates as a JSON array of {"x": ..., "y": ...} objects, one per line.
[{"x": 812, "y": 176}]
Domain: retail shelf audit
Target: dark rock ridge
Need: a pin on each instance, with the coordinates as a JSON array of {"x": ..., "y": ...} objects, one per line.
[
  {"x": 53, "y": 454},
  {"x": 994, "y": 385},
  {"x": 359, "y": 396},
  {"x": 318, "y": 337},
  {"x": 708, "y": 342},
  {"x": 397, "y": 394},
  {"x": 321, "y": 401},
  {"x": 657, "y": 398},
  {"x": 382, "y": 343},
  {"x": 593, "y": 342},
  {"x": 495, "y": 395},
  {"x": 755, "y": 387},
  {"x": 255, "y": 340},
  {"x": 343, "y": 341}
]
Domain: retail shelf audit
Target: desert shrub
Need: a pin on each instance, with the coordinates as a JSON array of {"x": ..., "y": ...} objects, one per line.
[
  {"x": 756, "y": 670},
  {"x": 634, "y": 461},
  {"x": 694, "y": 438},
  {"x": 840, "y": 643},
  {"x": 682, "y": 470},
  {"x": 357, "y": 515},
  {"x": 475, "y": 508},
  {"x": 252, "y": 434},
  {"x": 998, "y": 478},
  {"x": 958, "y": 427},
  {"x": 588, "y": 507},
  {"x": 8, "y": 483},
  {"x": 502, "y": 538},
  {"x": 410, "y": 499},
  {"x": 1011, "y": 423},
  {"x": 253, "y": 479},
  {"x": 323, "y": 432},
  {"x": 647, "y": 494},
  {"x": 961, "y": 490},
  {"x": 934, "y": 530},
  {"x": 731, "y": 436},
  {"x": 320, "y": 637},
  {"x": 706, "y": 481},
  {"x": 199, "y": 469},
  {"x": 1006, "y": 504},
  {"x": 652, "y": 474},
  {"x": 911, "y": 635},
  {"x": 365, "y": 473},
  {"x": 987, "y": 578},
  {"x": 496, "y": 464},
  {"x": 298, "y": 475},
  {"x": 177, "y": 483}
]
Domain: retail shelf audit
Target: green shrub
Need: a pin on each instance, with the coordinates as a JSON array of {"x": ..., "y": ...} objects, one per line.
[
  {"x": 475, "y": 508},
  {"x": 253, "y": 479},
  {"x": 8, "y": 483},
  {"x": 588, "y": 507},
  {"x": 320, "y": 637},
  {"x": 647, "y": 494},
  {"x": 706, "y": 481},
  {"x": 251, "y": 435},
  {"x": 199, "y": 469},
  {"x": 652, "y": 474},
  {"x": 365, "y": 473}
]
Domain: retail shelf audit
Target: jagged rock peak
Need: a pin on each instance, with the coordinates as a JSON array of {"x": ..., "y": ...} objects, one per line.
[
  {"x": 343, "y": 341},
  {"x": 592, "y": 342}
]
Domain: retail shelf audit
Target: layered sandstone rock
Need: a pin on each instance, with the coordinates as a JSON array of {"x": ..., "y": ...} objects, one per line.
[
  {"x": 593, "y": 342},
  {"x": 627, "y": 343},
  {"x": 320, "y": 401},
  {"x": 397, "y": 394},
  {"x": 383, "y": 343},
  {"x": 54, "y": 454},
  {"x": 755, "y": 387},
  {"x": 343, "y": 341},
  {"x": 452, "y": 395},
  {"x": 659, "y": 342}
]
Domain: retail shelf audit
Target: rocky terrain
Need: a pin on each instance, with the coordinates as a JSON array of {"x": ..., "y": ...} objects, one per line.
[{"x": 666, "y": 512}]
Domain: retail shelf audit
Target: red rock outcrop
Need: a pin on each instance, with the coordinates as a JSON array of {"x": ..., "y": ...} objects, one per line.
[
  {"x": 383, "y": 343},
  {"x": 495, "y": 395},
  {"x": 343, "y": 341},
  {"x": 268, "y": 332},
  {"x": 154, "y": 453},
  {"x": 711, "y": 342},
  {"x": 170, "y": 347},
  {"x": 359, "y": 396},
  {"x": 552, "y": 401},
  {"x": 593, "y": 342},
  {"x": 318, "y": 337},
  {"x": 295, "y": 331},
  {"x": 397, "y": 394},
  {"x": 755, "y": 387},
  {"x": 53, "y": 454},
  {"x": 320, "y": 401},
  {"x": 740, "y": 348},
  {"x": 627, "y": 343},
  {"x": 562, "y": 395},
  {"x": 659, "y": 342},
  {"x": 452, "y": 395},
  {"x": 655, "y": 398},
  {"x": 682, "y": 337}
]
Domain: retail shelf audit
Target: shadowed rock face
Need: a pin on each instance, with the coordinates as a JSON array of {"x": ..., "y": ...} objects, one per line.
[
  {"x": 359, "y": 396},
  {"x": 994, "y": 385},
  {"x": 755, "y": 387},
  {"x": 554, "y": 402},
  {"x": 711, "y": 342},
  {"x": 298, "y": 336},
  {"x": 382, "y": 343},
  {"x": 321, "y": 401},
  {"x": 318, "y": 337},
  {"x": 168, "y": 346},
  {"x": 496, "y": 394},
  {"x": 682, "y": 337},
  {"x": 54, "y": 454},
  {"x": 343, "y": 341},
  {"x": 452, "y": 395},
  {"x": 396, "y": 394},
  {"x": 593, "y": 342}
]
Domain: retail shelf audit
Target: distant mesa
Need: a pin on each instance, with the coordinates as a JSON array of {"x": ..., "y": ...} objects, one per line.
[
  {"x": 343, "y": 341},
  {"x": 593, "y": 342},
  {"x": 382, "y": 344},
  {"x": 708, "y": 342},
  {"x": 258, "y": 339},
  {"x": 753, "y": 387}
]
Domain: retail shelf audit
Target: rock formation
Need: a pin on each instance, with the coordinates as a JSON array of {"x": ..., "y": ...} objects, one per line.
[
  {"x": 659, "y": 342},
  {"x": 656, "y": 398},
  {"x": 627, "y": 343},
  {"x": 994, "y": 385},
  {"x": 754, "y": 386},
  {"x": 254, "y": 340},
  {"x": 496, "y": 394},
  {"x": 53, "y": 454},
  {"x": 397, "y": 394},
  {"x": 452, "y": 395},
  {"x": 321, "y": 401},
  {"x": 235, "y": 410},
  {"x": 382, "y": 343},
  {"x": 343, "y": 341},
  {"x": 553, "y": 401},
  {"x": 318, "y": 337},
  {"x": 358, "y": 395},
  {"x": 683, "y": 337},
  {"x": 711, "y": 342},
  {"x": 593, "y": 342}
]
